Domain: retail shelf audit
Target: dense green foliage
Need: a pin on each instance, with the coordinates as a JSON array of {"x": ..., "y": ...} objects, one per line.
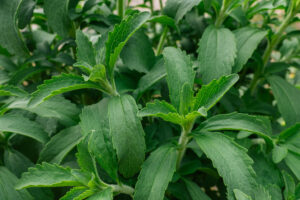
[{"x": 105, "y": 99}]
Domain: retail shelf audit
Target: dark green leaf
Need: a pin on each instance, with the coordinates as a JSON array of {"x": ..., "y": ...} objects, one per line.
[
  {"x": 289, "y": 191},
  {"x": 164, "y": 20},
  {"x": 58, "y": 17},
  {"x": 60, "y": 145},
  {"x": 179, "y": 72},
  {"x": 195, "y": 191},
  {"x": 119, "y": 37},
  {"x": 60, "y": 84},
  {"x": 85, "y": 49},
  {"x": 106, "y": 194},
  {"x": 25, "y": 12},
  {"x": 231, "y": 161},
  {"x": 7, "y": 187},
  {"x": 9, "y": 33},
  {"x": 178, "y": 8},
  {"x": 247, "y": 40},
  {"x": 23, "y": 126},
  {"x": 73, "y": 193},
  {"x": 94, "y": 121},
  {"x": 127, "y": 134},
  {"x": 259, "y": 125},
  {"x": 138, "y": 54},
  {"x": 156, "y": 173},
  {"x": 47, "y": 175},
  {"x": 287, "y": 97},
  {"x": 217, "y": 53}
]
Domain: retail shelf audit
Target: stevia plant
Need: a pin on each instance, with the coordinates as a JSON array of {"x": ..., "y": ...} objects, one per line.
[{"x": 104, "y": 100}]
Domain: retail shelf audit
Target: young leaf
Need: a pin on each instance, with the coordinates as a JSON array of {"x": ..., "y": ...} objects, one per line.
[
  {"x": 163, "y": 110},
  {"x": 23, "y": 126},
  {"x": 238, "y": 121},
  {"x": 177, "y": 8},
  {"x": 279, "y": 153},
  {"x": 73, "y": 193},
  {"x": 231, "y": 161},
  {"x": 47, "y": 175},
  {"x": 127, "y": 134},
  {"x": 9, "y": 90},
  {"x": 138, "y": 54},
  {"x": 210, "y": 94},
  {"x": 287, "y": 97},
  {"x": 156, "y": 173},
  {"x": 239, "y": 195},
  {"x": 179, "y": 72},
  {"x": 94, "y": 121},
  {"x": 60, "y": 145},
  {"x": 85, "y": 49},
  {"x": 58, "y": 17},
  {"x": 7, "y": 187},
  {"x": 106, "y": 194},
  {"x": 247, "y": 40},
  {"x": 217, "y": 52},
  {"x": 119, "y": 37},
  {"x": 9, "y": 33},
  {"x": 60, "y": 84}
]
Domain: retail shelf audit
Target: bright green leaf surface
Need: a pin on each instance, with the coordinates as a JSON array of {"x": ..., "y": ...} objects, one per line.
[{"x": 178, "y": 8}]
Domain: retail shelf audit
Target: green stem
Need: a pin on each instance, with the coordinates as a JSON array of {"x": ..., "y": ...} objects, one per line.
[
  {"x": 121, "y": 8},
  {"x": 182, "y": 142},
  {"x": 222, "y": 15},
  {"x": 162, "y": 40},
  {"x": 270, "y": 47},
  {"x": 124, "y": 189}
]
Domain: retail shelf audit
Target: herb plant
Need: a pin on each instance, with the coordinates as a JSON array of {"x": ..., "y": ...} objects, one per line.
[{"x": 103, "y": 100}]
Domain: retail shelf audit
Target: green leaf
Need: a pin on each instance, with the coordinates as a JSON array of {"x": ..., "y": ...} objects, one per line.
[
  {"x": 84, "y": 158},
  {"x": 23, "y": 126},
  {"x": 289, "y": 191},
  {"x": 247, "y": 40},
  {"x": 60, "y": 84},
  {"x": 164, "y": 20},
  {"x": 106, "y": 194},
  {"x": 279, "y": 153},
  {"x": 73, "y": 193},
  {"x": 127, "y": 134},
  {"x": 195, "y": 191},
  {"x": 60, "y": 145},
  {"x": 231, "y": 161},
  {"x": 16, "y": 162},
  {"x": 178, "y": 8},
  {"x": 94, "y": 121},
  {"x": 85, "y": 49},
  {"x": 291, "y": 135},
  {"x": 239, "y": 195},
  {"x": 7, "y": 187},
  {"x": 210, "y": 94},
  {"x": 287, "y": 97},
  {"x": 156, "y": 173},
  {"x": 58, "y": 17},
  {"x": 9, "y": 90},
  {"x": 217, "y": 52},
  {"x": 25, "y": 12},
  {"x": 138, "y": 54},
  {"x": 179, "y": 72},
  {"x": 163, "y": 110},
  {"x": 65, "y": 111},
  {"x": 292, "y": 160},
  {"x": 186, "y": 99},
  {"x": 47, "y": 175},
  {"x": 259, "y": 125},
  {"x": 262, "y": 193},
  {"x": 119, "y": 37},
  {"x": 9, "y": 33},
  {"x": 98, "y": 74},
  {"x": 157, "y": 73}
]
